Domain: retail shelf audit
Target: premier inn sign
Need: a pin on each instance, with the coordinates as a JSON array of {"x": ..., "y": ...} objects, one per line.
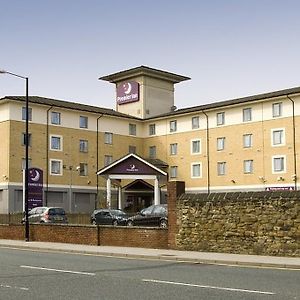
[{"x": 128, "y": 92}]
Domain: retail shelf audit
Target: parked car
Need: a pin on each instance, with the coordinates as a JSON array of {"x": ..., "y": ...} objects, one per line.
[
  {"x": 47, "y": 215},
  {"x": 154, "y": 215},
  {"x": 109, "y": 217}
]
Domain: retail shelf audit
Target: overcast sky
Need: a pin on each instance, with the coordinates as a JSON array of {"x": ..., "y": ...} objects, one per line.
[{"x": 229, "y": 48}]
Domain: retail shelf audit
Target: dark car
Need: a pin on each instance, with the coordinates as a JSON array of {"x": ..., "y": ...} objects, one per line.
[
  {"x": 109, "y": 217},
  {"x": 155, "y": 215},
  {"x": 47, "y": 215}
]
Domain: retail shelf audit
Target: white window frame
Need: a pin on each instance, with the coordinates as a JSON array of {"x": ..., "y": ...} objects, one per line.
[
  {"x": 173, "y": 126},
  {"x": 277, "y": 109},
  {"x": 248, "y": 166},
  {"x": 245, "y": 145},
  {"x": 221, "y": 143},
  {"x": 193, "y": 142},
  {"x": 273, "y": 137},
  {"x": 200, "y": 169},
  {"x": 284, "y": 164},
  {"x": 85, "y": 147},
  {"x": 108, "y": 138},
  {"x": 173, "y": 172},
  {"x": 55, "y": 118},
  {"x": 220, "y": 118},
  {"x": 61, "y": 142},
  {"x": 83, "y": 124},
  {"x": 173, "y": 149},
  {"x": 60, "y": 167},
  {"x": 247, "y": 114},
  {"x": 221, "y": 172},
  {"x": 152, "y": 129},
  {"x": 195, "y": 122}
]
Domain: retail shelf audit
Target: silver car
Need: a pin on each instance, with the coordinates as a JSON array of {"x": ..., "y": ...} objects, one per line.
[{"x": 47, "y": 215}]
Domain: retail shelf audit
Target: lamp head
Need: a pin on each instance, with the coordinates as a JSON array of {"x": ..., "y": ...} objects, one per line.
[{"x": 2, "y": 71}]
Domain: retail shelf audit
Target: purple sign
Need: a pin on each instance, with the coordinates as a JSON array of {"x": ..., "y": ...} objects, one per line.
[
  {"x": 35, "y": 187},
  {"x": 280, "y": 188},
  {"x": 128, "y": 92}
]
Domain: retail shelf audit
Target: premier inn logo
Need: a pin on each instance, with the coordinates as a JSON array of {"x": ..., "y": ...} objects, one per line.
[
  {"x": 127, "y": 92},
  {"x": 132, "y": 168}
]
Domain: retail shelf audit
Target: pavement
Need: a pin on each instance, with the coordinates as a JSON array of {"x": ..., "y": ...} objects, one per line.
[{"x": 160, "y": 254}]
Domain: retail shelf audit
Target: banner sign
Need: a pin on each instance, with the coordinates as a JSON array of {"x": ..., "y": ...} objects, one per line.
[
  {"x": 280, "y": 188},
  {"x": 35, "y": 188},
  {"x": 128, "y": 92}
]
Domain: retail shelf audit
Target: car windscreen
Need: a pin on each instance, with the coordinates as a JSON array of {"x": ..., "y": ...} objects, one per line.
[
  {"x": 118, "y": 212},
  {"x": 56, "y": 211}
]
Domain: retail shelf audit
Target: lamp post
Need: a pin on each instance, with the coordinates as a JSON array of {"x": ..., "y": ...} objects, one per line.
[{"x": 26, "y": 152}]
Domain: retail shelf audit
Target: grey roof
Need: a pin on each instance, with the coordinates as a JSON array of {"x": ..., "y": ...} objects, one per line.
[
  {"x": 68, "y": 105},
  {"x": 144, "y": 70},
  {"x": 236, "y": 101}
]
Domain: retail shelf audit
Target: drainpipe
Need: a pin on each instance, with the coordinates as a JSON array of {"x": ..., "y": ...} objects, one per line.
[
  {"x": 97, "y": 160},
  {"x": 207, "y": 152},
  {"x": 47, "y": 156},
  {"x": 294, "y": 142}
]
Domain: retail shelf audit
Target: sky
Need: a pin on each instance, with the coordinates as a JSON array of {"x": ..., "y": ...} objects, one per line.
[{"x": 229, "y": 48}]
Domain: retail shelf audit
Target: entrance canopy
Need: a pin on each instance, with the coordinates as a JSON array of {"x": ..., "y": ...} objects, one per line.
[{"x": 132, "y": 167}]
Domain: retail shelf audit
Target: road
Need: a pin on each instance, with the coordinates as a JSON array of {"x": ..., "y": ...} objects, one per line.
[{"x": 48, "y": 275}]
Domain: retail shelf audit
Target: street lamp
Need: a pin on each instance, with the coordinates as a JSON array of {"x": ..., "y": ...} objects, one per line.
[{"x": 26, "y": 153}]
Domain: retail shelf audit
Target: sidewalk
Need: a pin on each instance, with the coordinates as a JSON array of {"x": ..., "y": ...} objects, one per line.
[{"x": 170, "y": 255}]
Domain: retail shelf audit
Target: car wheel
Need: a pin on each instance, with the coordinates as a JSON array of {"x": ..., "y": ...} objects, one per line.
[
  {"x": 129, "y": 223},
  {"x": 163, "y": 224},
  {"x": 115, "y": 222}
]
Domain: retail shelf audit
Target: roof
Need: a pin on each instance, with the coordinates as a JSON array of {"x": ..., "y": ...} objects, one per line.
[
  {"x": 144, "y": 70},
  {"x": 68, "y": 105},
  {"x": 235, "y": 101}
]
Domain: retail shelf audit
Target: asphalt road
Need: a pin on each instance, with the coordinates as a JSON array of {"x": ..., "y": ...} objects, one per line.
[{"x": 45, "y": 275}]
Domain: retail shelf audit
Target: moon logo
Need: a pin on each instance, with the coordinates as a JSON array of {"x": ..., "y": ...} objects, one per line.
[
  {"x": 36, "y": 177},
  {"x": 127, "y": 89},
  {"x": 132, "y": 167}
]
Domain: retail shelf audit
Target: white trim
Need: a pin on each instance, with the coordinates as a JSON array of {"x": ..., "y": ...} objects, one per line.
[
  {"x": 283, "y": 137},
  {"x": 61, "y": 142},
  {"x": 61, "y": 167},
  {"x": 194, "y": 164},
  {"x": 131, "y": 176},
  {"x": 284, "y": 167},
  {"x": 200, "y": 147}
]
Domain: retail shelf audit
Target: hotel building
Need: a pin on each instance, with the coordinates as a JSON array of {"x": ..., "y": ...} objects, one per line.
[{"x": 244, "y": 144}]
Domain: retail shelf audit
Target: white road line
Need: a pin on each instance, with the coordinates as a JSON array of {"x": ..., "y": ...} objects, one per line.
[
  {"x": 57, "y": 270},
  {"x": 208, "y": 287},
  {"x": 13, "y": 287}
]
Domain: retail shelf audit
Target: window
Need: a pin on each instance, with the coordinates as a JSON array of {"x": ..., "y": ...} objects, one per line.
[
  {"x": 83, "y": 145},
  {"x": 24, "y": 139},
  {"x": 56, "y": 143},
  {"x": 247, "y": 140},
  {"x": 132, "y": 149},
  {"x": 278, "y": 164},
  {"x": 196, "y": 170},
  {"x": 195, "y": 122},
  {"x": 173, "y": 171},
  {"x": 248, "y": 166},
  {"x": 108, "y": 159},
  {"x": 55, "y": 118},
  {"x": 247, "y": 114},
  {"x": 196, "y": 146},
  {"x": 55, "y": 167},
  {"x": 173, "y": 126},
  {"x": 108, "y": 138},
  {"x": 277, "y": 109},
  {"x": 220, "y": 143},
  {"x": 83, "y": 122},
  {"x": 132, "y": 129},
  {"x": 24, "y": 163},
  {"x": 83, "y": 169},
  {"x": 29, "y": 113},
  {"x": 152, "y": 151},
  {"x": 152, "y": 129},
  {"x": 221, "y": 166},
  {"x": 220, "y": 118},
  {"x": 173, "y": 149},
  {"x": 278, "y": 137}
]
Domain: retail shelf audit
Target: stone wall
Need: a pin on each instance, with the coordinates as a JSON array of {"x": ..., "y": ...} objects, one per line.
[{"x": 266, "y": 223}]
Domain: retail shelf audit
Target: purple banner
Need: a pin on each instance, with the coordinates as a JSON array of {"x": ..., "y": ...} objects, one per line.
[
  {"x": 128, "y": 92},
  {"x": 280, "y": 188},
  {"x": 35, "y": 188}
]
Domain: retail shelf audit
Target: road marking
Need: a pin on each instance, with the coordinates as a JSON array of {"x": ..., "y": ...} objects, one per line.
[
  {"x": 13, "y": 287},
  {"x": 208, "y": 287},
  {"x": 57, "y": 270}
]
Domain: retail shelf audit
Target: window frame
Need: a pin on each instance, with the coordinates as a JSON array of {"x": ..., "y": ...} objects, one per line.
[
  {"x": 283, "y": 158},
  {"x": 173, "y": 126},
  {"x": 108, "y": 138},
  {"x": 132, "y": 129},
  {"x": 279, "y": 114},
  {"x": 193, "y": 164},
  {"x": 55, "y": 113},
  {"x": 223, "y": 169},
  {"x": 152, "y": 152},
  {"x": 220, "y": 118},
  {"x": 221, "y": 139},
  {"x": 85, "y": 148},
  {"x": 245, "y": 165},
  {"x": 196, "y": 142},
  {"x": 83, "y": 122},
  {"x": 60, "y": 142},
  {"x": 245, "y": 145},
  {"x": 60, "y": 167},
  {"x": 173, "y": 146},
  {"x": 173, "y": 172},
  {"x": 152, "y": 129},
  {"x": 83, "y": 169},
  {"x": 24, "y": 113},
  {"x": 282, "y": 137},
  {"x": 106, "y": 156},
  {"x": 196, "y": 125},
  {"x": 23, "y": 141},
  {"x": 247, "y": 114}
]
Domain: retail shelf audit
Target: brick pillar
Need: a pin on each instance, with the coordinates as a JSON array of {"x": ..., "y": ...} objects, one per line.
[{"x": 175, "y": 189}]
